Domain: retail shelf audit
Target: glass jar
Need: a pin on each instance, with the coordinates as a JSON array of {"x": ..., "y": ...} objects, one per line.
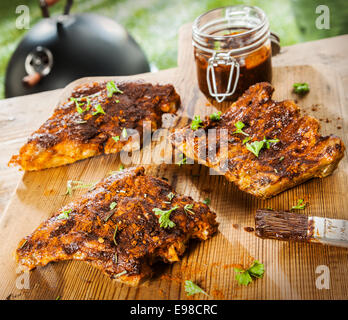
[{"x": 232, "y": 50}]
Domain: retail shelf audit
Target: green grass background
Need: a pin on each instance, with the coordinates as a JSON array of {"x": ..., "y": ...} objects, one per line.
[{"x": 155, "y": 23}]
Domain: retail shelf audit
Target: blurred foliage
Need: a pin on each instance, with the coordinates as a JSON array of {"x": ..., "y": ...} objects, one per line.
[{"x": 155, "y": 23}]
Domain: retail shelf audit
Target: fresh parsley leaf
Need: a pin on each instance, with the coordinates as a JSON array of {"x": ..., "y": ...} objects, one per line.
[
  {"x": 216, "y": 116},
  {"x": 164, "y": 220},
  {"x": 98, "y": 109},
  {"x": 188, "y": 208},
  {"x": 196, "y": 123},
  {"x": 182, "y": 161},
  {"x": 300, "y": 205},
  {"x": 256, "y": 146},
  {"x": 64, "y": 214},
  {"x": 244, "y": 277},
  {"x": 116, "y": 138},
  {"x": 245, "y": 140},
  {"x": 239, "y": 128},
  {"x": 257, "y": 269},
  {"x": 111, "y": 88},
  {"x": 124, "y": 133},
  {"x": 72, "y": 185},
  {"x": 267, "y": 142},
  {"x": 79, "y": 105},
  {"x": 171, "y": 196},
  {"x": 191, "y": 289},
  {"x": 114, "y": 237},
  {"x": 120, "y": 274},
  {"x": 113, "y": 205},
  {"x": 301, "y": 88},
  {"x": 206, "y": 201}
]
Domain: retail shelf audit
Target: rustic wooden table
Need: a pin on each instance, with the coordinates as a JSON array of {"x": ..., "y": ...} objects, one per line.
[
  {"x": 290, "y": 270},
  {"x": 17, "y": 121}
]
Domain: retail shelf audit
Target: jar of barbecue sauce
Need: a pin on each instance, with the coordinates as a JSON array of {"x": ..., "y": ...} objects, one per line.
[{"x": 232, "y": 50}]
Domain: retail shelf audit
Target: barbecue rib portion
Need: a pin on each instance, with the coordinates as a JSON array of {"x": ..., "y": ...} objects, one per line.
[
  {"x": 114, "y": 227},
  {"x": 93, "y": 120},
  {"x": 301, "y": 153}
]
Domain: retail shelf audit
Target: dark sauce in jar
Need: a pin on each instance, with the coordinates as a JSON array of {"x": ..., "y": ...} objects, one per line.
[
  {"x": 254, "y": 67},
  {"x": 249, "y": 74},
  {"x": 236, "y": 36}
]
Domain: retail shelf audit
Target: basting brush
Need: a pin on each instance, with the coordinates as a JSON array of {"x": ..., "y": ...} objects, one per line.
[{"x": 290, "y": 226}]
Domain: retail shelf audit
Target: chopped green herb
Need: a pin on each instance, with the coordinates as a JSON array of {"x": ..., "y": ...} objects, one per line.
[
  {"x": 114, "y": 237},
  {"x": 182, "y": 161},
  {"x": 109, "y": 216},
  {"x": 301, "y": 88},
  {"x": 79, "y": 105},
  {"x": 112, "y": 88},
  {"x": 206, "y": 201},
  {"x": 23, "y": 244},
  {"x": 300, "y": 205},
  {"x": 98, "y": 109},
  {"x": 124, "y": 133},
  {"x": 267, "y": 142},
  {"x": 164, "y": 220},
  {"x": 244, "y": 277},
  {"x": 113, "y": 205},
  {"x": 239, "y": 128},
  {"x": 245, "y": 140},
  {"x": 64, "y": 214},
  {"x": 58, "y": 298},
  {"x": 120, "y": 274},
  {"x": 116, "y": 138},
  {"x": 117, "y": 101},
  {"x": 281, "y": 159},
  {"x": 171, "y": 196},
  {"x": 72, "y": 185},
  {"x": 191, "y": 289},
  {"x": 216, "y": 116},
  {"x": 196, "y": 123},
  {"x": 121, "y": 167},
  {"x": 256, "y": 146},
  {"x": 188, "y": 208}
]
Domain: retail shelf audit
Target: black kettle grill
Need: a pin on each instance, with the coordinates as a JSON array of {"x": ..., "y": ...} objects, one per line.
[{"x": 58, "y": 50}]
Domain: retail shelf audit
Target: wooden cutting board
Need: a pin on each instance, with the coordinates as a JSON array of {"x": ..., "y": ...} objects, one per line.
[{"x": 290, "y": 267}]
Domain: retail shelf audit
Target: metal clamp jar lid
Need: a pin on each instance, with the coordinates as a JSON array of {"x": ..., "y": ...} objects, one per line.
[{"x": 223, "y": 39}]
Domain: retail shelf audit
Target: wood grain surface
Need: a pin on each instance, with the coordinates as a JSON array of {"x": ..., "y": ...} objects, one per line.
[{"x": 290, "y": 267}]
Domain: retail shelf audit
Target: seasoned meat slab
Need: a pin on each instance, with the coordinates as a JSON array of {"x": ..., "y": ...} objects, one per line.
[
  {"x": 293, "y": 150},
  {"x": 122, "y": 227},
  {"x": 94, "y": 121}
]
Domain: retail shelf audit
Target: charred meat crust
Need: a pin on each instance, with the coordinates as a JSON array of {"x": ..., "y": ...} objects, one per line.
[
  {"x": 301, "y": 153},
  {"x": 67, "y": 130},
  {"x": 87, "y": 234}
]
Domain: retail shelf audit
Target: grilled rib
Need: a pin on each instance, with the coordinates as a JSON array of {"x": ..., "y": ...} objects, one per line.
[
  {"x": 301, "y": 153},
  {"x": 86, "y": 228},
  {"x": 69, "y": 135}
]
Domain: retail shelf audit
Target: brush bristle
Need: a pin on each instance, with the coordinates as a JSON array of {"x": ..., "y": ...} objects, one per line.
[{"x": 282, "y": 225}]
